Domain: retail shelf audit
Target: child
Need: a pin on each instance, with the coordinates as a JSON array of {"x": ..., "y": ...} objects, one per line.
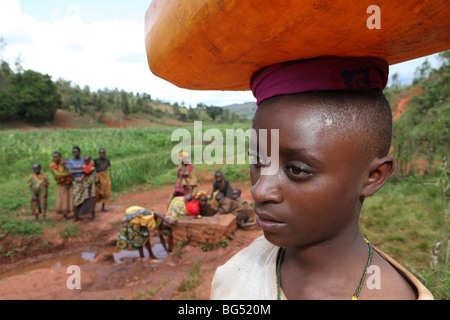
[
  {"x": 38, "y": 184},
  {"x": 333, "y": 153},
  {"x": 226, "y": 205},
  {"x": 243, "y": 210},
  {"x": 192, "y": 205},
  {"x": 205, "y": 204},
  {"x": 331, "y": 128},
  {"x": 88, "y": 167},
  {"x": 102, "y": 180},
  {"x": 222, "y": 185}
]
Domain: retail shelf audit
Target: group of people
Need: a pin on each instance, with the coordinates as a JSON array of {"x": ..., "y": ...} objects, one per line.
[
  {"x": 188, "y": 201},
  {"x": 81, "y": 183},
  {"x": 185, "y": 200}
]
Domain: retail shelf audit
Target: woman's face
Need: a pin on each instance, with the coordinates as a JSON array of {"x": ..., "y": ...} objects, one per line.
[
  {"x": 37, "y": 169},
  {"x": 315, "y": 192},
  {"x": 219, "y": 177},
  {"x": 56, "y": 157},
  {"x": 202, "y": 200},
  {"x": 75, "y": 153}
]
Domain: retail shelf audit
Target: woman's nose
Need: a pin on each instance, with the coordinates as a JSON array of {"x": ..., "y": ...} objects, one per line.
[{"x": 267, "y": 188}]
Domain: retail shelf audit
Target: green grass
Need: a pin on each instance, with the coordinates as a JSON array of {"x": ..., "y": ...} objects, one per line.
[
  {"x": 150, "y": 292},
  {"x": 405, "y": 219},
  {"x": 187, "y": 287},
  {"x": 139, "y": 156},
  {"x": 25, "y": 228},
  {"x": 70, "y": 231}
]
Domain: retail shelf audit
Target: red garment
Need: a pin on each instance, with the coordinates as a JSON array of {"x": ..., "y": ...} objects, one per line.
[
  {"x": 193, "y": 208},
  {"x": 88, "y": 169}
]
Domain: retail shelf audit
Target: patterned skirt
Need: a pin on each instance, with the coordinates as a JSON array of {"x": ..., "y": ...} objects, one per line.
[
  {"x": 132, "y": 236},
  {"x": 134, "y": 230},
  {"x": 83, "y": 196},
  {"x": 103, "y": 187}
]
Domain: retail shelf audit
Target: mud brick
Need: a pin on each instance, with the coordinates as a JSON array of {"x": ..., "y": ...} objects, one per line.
[{"x": 206, "y": 230}]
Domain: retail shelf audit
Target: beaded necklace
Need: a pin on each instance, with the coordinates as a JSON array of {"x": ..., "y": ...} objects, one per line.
[{"x": 358, "y": 289}]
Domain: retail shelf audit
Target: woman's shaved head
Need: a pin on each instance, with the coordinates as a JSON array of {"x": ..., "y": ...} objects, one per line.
[{"x": 362, "y": 117}]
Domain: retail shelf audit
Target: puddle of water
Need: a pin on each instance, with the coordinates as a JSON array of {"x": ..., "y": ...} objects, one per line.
[
  {"x": 83, "y": 258},
  {"x": 157, "y": 249}
]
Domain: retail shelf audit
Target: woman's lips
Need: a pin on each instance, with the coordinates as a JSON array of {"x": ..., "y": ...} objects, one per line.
[{"x": 268, "y": 223}]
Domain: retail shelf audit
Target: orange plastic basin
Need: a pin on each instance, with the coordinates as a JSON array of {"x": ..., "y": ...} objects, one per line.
[{"x": 217, "y": 45}]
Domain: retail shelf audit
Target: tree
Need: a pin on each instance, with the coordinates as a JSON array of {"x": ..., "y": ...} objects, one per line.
[
  {"x": 99, "y": 104},
  {"x": 124, "y": 104},
  {"x": 395, "y": 81},
  {"x": 6, "y": 105},
  {"x": 34, "y": 95},
  {"x": 214, "y": 112},
  {"x": 192, "y": 114},
  {"x": 423, "y": 131},
  {"x": 5, "y": 71},
  {"x": 423, "y": 71},
  {"x": 139, "y": 103}
]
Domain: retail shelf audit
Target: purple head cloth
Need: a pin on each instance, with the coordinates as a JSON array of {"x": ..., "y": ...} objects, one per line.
[{"x": 319, "y": 74}]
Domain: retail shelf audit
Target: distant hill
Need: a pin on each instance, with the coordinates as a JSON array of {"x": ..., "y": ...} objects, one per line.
[{"x": 247, "y": 109}]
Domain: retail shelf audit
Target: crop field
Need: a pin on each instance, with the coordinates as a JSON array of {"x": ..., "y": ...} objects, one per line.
[{"x": 138, "y": 156}]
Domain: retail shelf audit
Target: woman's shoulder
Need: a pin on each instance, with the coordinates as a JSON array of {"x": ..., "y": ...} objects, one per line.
[
  {"x": 257, "y": 250},
  {"x": 397, "y": 282},
  {"x": 244, "y": 275}
]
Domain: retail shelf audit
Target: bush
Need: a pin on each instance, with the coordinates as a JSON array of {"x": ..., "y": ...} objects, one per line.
[
  {"x": 33, "y": 95},
  {"x": 23, "y": 228}
]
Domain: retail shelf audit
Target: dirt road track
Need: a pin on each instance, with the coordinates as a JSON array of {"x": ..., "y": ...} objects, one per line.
[{"x": 44, "y": 276}]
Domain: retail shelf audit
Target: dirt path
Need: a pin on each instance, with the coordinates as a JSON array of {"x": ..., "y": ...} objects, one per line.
[
  {"x": 402, "y": 105},
  {"x": 110, "y": 274}
]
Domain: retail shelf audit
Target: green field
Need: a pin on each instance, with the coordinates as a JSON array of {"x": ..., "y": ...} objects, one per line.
[
  {"x": 405, "y": 219},
  {"x": 139, "y": 156}
]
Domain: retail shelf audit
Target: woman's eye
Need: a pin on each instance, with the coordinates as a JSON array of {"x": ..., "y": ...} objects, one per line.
[
  {"x": 255, "y": 159},
  {"x": 295, "y": 170},
  {"x": 298, "y": 172}
]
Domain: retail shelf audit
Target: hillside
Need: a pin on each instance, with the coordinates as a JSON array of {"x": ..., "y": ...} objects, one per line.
[
  {"x": 29, "y": 99},
  {"x": 247, "y": 109},
  {"x": 65, "y": 119},
  {"x": 421, "y": 114}
]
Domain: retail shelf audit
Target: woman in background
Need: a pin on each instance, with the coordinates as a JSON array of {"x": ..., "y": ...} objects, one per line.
[{"x": 84, "y": 189}]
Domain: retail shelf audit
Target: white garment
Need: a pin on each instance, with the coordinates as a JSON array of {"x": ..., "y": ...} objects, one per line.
[
  {"x": 251, "y": 275},
  {"x": 248, "y": 275}
]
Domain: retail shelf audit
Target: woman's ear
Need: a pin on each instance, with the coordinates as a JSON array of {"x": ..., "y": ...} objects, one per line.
[{"x": 379, "y": 172}]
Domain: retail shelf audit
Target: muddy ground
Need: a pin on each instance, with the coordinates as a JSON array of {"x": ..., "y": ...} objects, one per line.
[{"x": 38, "y": 269}]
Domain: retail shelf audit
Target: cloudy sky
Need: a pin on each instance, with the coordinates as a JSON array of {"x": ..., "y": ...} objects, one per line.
[{"x": 100, "y": 43}]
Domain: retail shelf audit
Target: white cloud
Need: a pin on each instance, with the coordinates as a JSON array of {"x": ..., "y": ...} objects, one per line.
[
  {"x": 407, "y": 69},
  {"x": 108, "y": 53},
  {"x": 72, "y": 49}
]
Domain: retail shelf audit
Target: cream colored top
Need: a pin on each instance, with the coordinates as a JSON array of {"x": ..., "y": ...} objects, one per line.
[{"x": 251, "y": 275}]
